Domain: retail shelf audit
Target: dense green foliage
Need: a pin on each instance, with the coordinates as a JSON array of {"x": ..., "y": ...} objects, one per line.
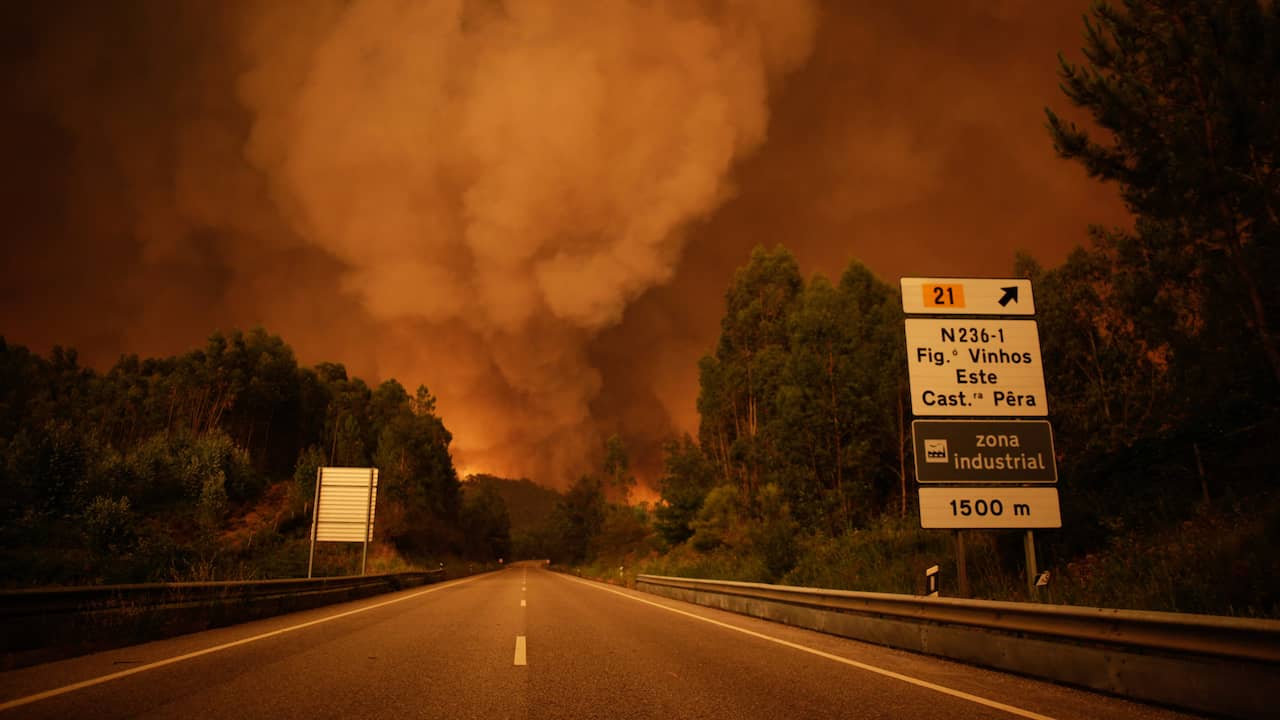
[
  {"x": 197, "y": 465},
  {"x": 1185, "y": 91},
  {"x": 802, "y": 393}
]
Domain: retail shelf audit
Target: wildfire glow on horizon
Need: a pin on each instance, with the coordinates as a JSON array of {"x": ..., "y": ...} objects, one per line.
[{"x": 534, "y": 209}]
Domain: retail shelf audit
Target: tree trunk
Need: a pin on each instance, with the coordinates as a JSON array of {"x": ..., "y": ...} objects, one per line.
[
  {"x": 835, "y": 423},
  {"x": 1204, "y": 483},
  {"x": 1258, "y": 309},
  {"x": 1234, "y": 243},
  {"x": 902, "y": 455}
]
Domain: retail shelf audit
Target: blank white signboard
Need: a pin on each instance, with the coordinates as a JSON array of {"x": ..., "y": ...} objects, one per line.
[{"x": 346, "y": 503}]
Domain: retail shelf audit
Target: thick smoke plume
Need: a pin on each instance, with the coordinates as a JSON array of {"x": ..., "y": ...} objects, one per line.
[
  {"x": 533, "y": 207},
  {"x": 491, "y": 184},
  {"x": 507, "y": 178}
]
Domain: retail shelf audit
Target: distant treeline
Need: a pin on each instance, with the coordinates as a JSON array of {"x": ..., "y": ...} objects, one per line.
[{"x": 139, "y": 473}]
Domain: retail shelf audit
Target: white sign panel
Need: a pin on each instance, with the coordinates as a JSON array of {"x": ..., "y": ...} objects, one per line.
[
  {"x": 989, "y": 507},
  {"x": 344, "y": 508},
  {"x": 967, "y": 296},
  {"x": 975, "y": 368}
]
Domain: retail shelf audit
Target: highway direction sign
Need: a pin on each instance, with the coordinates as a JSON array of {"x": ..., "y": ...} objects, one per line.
[
  {"x": 989, "y": 507},
  {"x": 975, "y": 368},
  {"x": 984, "y": 451},
  {"x": 967, "y": 296}
]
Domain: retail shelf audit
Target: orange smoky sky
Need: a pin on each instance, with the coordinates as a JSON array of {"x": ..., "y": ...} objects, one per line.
[{"x": 533, "y": 208}]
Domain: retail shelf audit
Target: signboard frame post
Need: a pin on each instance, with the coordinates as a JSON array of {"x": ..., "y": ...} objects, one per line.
[
  {"x": 368, "y": 522},
  {"x": 315, "y": 517},
  {"x": 1029, "y": 544},
  {"x": 345, "y": 516}
]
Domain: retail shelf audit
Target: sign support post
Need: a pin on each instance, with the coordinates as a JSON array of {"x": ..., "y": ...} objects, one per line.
[
  {"x": 368, "y": 524},
  {"x": 315, "y": 516},
  {"x": 962, "y": 573},
  {"x": 1029, "y": 543}
]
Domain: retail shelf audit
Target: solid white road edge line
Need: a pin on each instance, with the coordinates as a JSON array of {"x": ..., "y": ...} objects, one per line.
[
  {"x": 520, "y": 652},
  {"x": 18, "y": 702},
  {"x": 854, "y": 663}
]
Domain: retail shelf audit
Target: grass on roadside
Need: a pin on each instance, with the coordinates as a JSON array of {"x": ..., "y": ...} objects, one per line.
[{"x": 1221, "y": 561}]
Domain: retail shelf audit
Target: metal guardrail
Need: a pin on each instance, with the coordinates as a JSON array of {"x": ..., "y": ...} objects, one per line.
[
  {"x": 1163, "y": 631},
  {"x": 52, "y": 601},
  {"x": 42, "y": 624},
  {"x": 1224, "y": 666}
]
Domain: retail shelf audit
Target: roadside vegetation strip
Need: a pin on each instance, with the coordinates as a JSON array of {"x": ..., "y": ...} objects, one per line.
[
  {"x": 28, "y": 699},
  {"x": 996, "y": 705}
]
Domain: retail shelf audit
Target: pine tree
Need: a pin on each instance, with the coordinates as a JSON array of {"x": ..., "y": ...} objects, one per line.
[{"x": 1188, "y": 91}]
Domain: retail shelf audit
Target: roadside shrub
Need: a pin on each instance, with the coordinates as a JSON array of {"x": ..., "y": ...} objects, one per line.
[
  {"x": 722, "y": 564},
  {"x": 773, "y": 537},
  {"x": 212, "y": 506},
  {"x": 309, "y": 462},
  {"x": 890, "y": 555},
  {"x": 109, "y": 524},
  {"x": 718, "y": 521},
  {"x": 151, "y": 474},
  {"x": 1220, "y": 561},
  {"x": 215, "y": 455}
]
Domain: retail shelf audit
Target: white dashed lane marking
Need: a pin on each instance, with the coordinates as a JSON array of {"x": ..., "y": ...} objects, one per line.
[{"x": 520, "y": 651}]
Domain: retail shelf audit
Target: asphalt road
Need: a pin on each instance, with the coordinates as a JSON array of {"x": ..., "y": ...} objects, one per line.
[{"x": 528, "y": 643}]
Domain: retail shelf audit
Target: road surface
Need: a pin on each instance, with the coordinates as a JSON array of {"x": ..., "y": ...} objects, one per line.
[{"x": 528, "y": 643}]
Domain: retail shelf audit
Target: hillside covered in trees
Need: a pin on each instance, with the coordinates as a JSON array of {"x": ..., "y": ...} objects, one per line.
[{"x": 203, "y": 466}]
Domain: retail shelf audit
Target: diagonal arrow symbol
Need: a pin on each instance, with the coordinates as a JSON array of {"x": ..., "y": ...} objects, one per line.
[{"x": 1010, "y": 293}]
